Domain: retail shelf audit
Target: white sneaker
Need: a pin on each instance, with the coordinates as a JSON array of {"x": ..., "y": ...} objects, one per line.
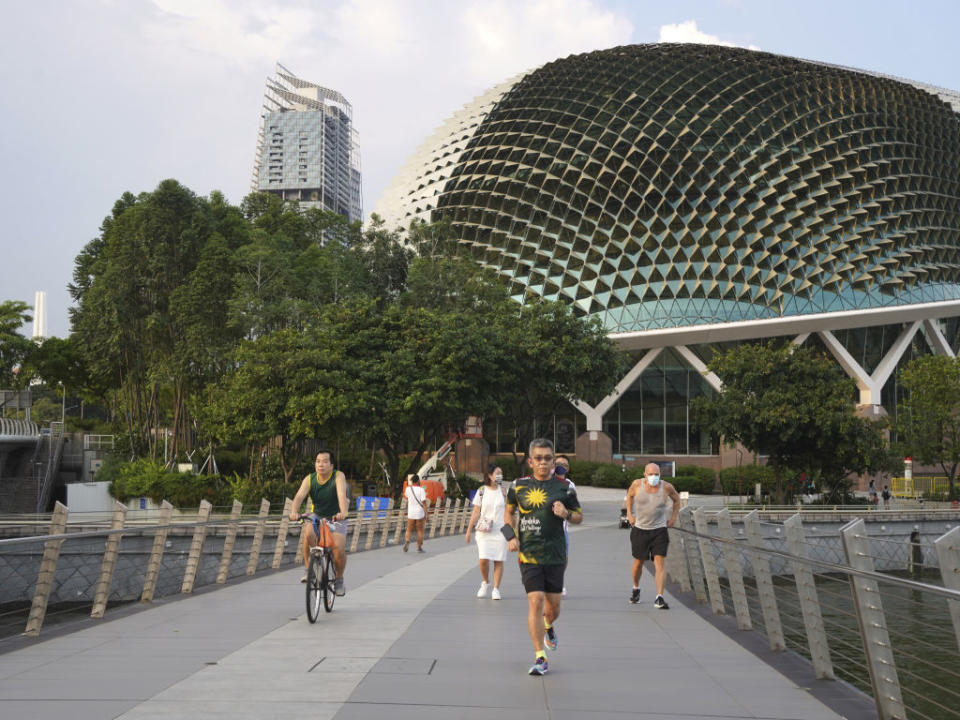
[
  {"x": 495, "y": 595},
  {"x": 482, "y": 592}
]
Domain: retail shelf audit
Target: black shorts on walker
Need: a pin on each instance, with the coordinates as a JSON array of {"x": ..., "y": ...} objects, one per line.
[
  {"x": 647, "y": 543},
  {"x": 542, "y": 578}
]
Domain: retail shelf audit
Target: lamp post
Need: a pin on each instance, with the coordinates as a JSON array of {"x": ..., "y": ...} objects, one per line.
[
  {"x": 739, "y": 478},
  {"x": 63, "y": 404}
]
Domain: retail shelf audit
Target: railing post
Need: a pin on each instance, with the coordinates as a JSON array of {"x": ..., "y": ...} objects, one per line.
[
  {"x": 372, "y": 528},
  {"x": 156, "y": 556},
  {"x": 387, "y": 524},
  {"x": 692, "y": 555},
  {"x": 709, "y": 561},
  {"x": 196, "y": 548},
  {"x": 227, "y": 555},
  {"x": 48, "y": 567},
  {"x": 258, "y": 536},
  {"x": 764, "y": 580},
  {"x": 731, "y": 559},
  {"x": 355, "y": 537},
  {"x": 447, "y": 516},
  {"x": 809, "y": 602},
  {"x": 465, "y": 511},
  {"x": 433, "y": 520},
  {"x": 401, "y": 521},
  {"x": 282, "y": 534},
  {"x": 948, "y": 555},
  {"x": 873, "y": 624},
  {"x": 677, "y": 564},
  {"x": 102, "y": 593}
]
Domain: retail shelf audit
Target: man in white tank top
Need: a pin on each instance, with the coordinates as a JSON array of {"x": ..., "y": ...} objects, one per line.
[{"x": 647, "y": 514}]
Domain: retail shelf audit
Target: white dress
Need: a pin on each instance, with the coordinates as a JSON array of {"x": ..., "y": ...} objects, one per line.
[{"x": 491, "y": 545}]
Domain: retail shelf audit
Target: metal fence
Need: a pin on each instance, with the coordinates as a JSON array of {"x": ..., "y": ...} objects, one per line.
[
  {"x": 881, "y": 612},
  {"x": 86, "y": 566}
]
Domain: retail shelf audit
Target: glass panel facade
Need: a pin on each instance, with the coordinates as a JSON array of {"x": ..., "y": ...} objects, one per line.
[{"x": 653, "y": 416}]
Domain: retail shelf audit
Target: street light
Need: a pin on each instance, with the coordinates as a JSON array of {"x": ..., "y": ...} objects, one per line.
[{"x": 63, "y": 403}]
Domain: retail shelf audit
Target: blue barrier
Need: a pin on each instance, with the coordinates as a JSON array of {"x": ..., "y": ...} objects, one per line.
[{"x": 366, "y": 505}]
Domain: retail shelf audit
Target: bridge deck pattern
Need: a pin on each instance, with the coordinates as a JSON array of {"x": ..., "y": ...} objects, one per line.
[{"x": 409, "y": 640}]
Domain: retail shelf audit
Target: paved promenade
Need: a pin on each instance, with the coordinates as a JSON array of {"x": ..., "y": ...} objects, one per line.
[{"x": 410, "y": 640}]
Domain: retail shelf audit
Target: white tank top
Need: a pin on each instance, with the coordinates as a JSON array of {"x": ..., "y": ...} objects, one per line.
[{"x": 649, "y": 509}]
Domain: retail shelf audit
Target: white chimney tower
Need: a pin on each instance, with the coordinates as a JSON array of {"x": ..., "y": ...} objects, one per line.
[{"x": 40, "y": 316}]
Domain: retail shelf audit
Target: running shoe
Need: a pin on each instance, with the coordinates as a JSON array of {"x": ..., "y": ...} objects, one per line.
[
  {"x": 482, "y": 592},
  {"x": 420, "y": 550},
  {"x": 406, "y": 546},
  {"x": 660, "y": 603},
  {"x": 338, "y": 588},
  {"x": 495, "y": 595},
  {"x": 550, "y": 638},
  {"x": 303, "y": 579},
  {"x": 635, "y": 596},
  {"x": 539, "y": 666}
]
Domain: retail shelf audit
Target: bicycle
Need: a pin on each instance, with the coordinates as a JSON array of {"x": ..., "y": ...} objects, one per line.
[{"x": 322, "y": 572}]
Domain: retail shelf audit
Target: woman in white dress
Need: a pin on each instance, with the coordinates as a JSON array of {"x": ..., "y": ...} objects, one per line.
[{"x": 487, "y": 519}]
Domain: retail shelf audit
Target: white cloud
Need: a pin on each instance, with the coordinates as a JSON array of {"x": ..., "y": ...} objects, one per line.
[
  {"x": 688, "y": 32},
  {"x": 504, "y": 37}
]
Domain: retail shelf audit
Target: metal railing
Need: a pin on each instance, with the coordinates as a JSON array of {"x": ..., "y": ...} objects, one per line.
[
  {"x": 88, "y": 563},
  {"x": 881, "y": 612}
]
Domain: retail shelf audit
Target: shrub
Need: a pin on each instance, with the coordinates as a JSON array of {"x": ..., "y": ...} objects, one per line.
[
  {"x": 693, "y": 484},
  {"x": 611, "y": 476},
  {"x": 750, "y": 475},
  {"x": 701, "y": 473}
]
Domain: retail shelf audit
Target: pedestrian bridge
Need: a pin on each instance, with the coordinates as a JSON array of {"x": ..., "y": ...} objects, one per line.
[
  {"x": 411, "y": 640},
  {"x": 18, "y": 432}
]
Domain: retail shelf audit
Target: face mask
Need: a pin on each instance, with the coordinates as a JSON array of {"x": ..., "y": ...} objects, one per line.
[
  {"x": 560, "y": 470},
  {"x": 498, "y": 478},
  {"x": 653, "y": 480}
]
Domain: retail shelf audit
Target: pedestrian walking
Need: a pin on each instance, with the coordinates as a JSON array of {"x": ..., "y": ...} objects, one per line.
[
  {"x": 486, "y": 519},
  {"x": 416, "y": 511}
]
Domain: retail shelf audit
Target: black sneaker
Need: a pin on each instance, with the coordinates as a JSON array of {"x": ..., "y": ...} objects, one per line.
[
  {"x": 635, "y": 596},
  {"x": 660, "y": 603},
  {"x": 539, "y": 667}
]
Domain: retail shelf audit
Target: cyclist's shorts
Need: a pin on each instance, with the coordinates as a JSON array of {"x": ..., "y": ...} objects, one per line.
[{"x": 325, "y": 532}]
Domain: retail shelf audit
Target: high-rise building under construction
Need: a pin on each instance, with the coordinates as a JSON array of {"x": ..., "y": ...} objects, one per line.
[{"x": 307, "y": 149}]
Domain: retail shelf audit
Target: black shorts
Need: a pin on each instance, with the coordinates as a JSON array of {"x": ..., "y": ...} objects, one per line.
[
  {"x": 648, "y": 543},
  {"x": 542, "y": 578}
]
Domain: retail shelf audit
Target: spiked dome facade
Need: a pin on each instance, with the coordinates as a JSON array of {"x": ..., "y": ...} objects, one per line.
[{"x": 689, "y": 194}]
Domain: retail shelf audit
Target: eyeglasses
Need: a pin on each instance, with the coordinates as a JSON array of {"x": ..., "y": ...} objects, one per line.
[{"x": 541, "y": 458}]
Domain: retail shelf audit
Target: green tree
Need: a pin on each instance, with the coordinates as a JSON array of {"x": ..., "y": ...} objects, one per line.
[
  {"x": 793, "y": 405},
  {"x": 928, "y": 418},
  {"x": 14, "y": 347}
]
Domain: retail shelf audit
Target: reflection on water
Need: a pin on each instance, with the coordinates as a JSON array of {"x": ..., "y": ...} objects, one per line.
[{"x": 921, "y": 635}]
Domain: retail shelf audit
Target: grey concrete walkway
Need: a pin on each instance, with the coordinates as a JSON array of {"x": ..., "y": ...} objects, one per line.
[{"x": 409, "y": 640}]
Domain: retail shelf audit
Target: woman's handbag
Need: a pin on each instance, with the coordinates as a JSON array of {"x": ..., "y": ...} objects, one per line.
[{"x": 483, "y": 524}]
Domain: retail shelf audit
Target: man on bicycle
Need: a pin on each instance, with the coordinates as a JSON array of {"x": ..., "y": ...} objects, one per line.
[{"x": 328, "y": 495}]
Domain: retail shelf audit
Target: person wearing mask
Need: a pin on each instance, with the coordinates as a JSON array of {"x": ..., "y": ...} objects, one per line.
[
  {"x": 416, "y": 511},
  {"x": 647, "y": 513},
  {"x": 486, "y": 519},
  {"x": 562, "y": 472}
]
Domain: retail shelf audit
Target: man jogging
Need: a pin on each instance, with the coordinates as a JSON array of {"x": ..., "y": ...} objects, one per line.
[
  {"x": 536, "y": 508},
  {"x": 647, "y": 513}
]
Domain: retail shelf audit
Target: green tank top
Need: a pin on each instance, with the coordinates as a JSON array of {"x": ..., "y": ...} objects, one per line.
[{"x": 323, "y": 496}]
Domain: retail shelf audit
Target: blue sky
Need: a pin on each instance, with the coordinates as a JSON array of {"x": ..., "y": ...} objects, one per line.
[{"x": 104, "y": 96}]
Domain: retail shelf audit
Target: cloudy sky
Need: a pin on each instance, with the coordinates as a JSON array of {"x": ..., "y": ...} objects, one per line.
[{"x": 104, "y": 96}]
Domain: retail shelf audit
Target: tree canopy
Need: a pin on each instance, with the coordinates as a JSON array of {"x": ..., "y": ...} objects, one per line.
[
  {"x": 928, "y": 418},
  {"x": 14, "y": 347},
  {"x": 795, "y": 406}
]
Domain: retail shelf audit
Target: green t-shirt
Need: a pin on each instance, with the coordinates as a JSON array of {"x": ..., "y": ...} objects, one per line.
[
  {"x": 542, "y": 541},
  {"x": 323, "y": 496}
]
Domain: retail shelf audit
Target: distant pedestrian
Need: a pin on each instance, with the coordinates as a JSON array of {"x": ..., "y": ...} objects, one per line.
[
  {"x": 536, "y": 508},
  {"x": 487, "y": 519},
  {"x": 885, "y": 494},
  {"x": 416, "y": 511},
  {"x": 562, "y": 472},
  {"x": 647, "y": 513},
  {"x": 872, "y": 492}
]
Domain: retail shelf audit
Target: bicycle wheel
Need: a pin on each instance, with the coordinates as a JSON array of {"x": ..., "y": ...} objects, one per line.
[
  {"x": 315, "y": 585},
  {"x": 329, "y": 580}
]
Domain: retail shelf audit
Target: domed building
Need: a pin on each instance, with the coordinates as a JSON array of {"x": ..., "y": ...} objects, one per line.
[{"x": 694, "y": 196}]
